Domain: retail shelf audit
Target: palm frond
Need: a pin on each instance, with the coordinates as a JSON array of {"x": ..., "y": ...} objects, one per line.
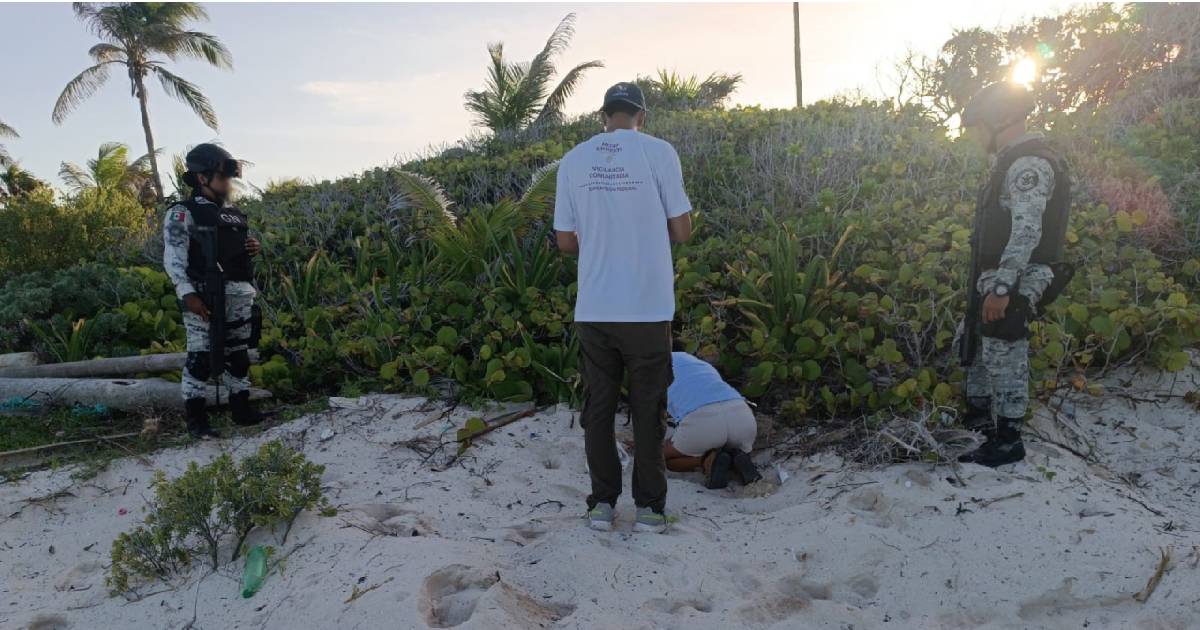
[
  {"x": 196, "y": 45},
  {"x": 538, "y": 199},
  {"x": 717, "y": 87},
  {"x": 499, "y": 75},
  {"x": 5, "y": 158},
  {"x": 540, "y": 70},
  {"x": 107, "y": 52},
  {"x": 552, "y": 108},
  {"x": 183, "y": 90},
  {"x": 111, "y": 166},
  {"x": 79, "y": 89},
  {"x": 423, "y": 195},
  {"x": 7, "y": 131},
  {"x": 76, "y": 178}
]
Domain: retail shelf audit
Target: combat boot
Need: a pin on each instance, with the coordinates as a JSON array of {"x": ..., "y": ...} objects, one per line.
[
  {"x": 242, "y": 413},
  {"x": 978, "y": 414},
  {"x": 197, "y": 419},
  {"x": 1003, "y": 445}
]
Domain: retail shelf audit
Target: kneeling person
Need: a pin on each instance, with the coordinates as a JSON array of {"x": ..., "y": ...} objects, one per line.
[{"x": 714, "y": 427}]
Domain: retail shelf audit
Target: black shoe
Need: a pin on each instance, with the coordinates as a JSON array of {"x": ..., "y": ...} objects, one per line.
[
  {"x": 197, "y": 419},
  {"x": 242, "y": 413},
  {"x": 1003, "y": 446},
  {"x": 718, "y": 472},
  {"x": 746, "y": 471}
]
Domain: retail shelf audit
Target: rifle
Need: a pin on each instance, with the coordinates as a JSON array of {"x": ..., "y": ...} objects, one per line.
[{"x": 213, "y": 296}]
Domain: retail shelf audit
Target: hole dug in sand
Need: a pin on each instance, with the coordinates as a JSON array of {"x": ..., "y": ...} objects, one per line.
[{"x": 451, "y": 595}]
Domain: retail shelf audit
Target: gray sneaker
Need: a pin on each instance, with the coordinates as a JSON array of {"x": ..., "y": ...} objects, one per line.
[
  {"x": 649, "y": 521},
  {"x": 601, "y": 517}
]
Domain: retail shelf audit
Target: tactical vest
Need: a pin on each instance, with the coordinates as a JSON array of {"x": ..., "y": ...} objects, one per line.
[
  {"x": 231, "y": 232},
  {"x": 993, "y": 223}
]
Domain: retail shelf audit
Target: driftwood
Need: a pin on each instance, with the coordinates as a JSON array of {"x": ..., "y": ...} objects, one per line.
[
  {"x": 100, "y": 368},
  {"x": 18, "y": 360},
  {"x": 121, "y": 394},
  {"x": 501, "y": 421}
]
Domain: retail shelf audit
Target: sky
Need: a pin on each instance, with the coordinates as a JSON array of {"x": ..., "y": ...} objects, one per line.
[{"x": 320, "y": 91}]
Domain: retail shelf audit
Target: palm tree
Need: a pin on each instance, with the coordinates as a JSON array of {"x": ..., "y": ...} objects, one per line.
[
  {"x": 110, "y": 172},
  {"x": 470, "y": 243},
  {"x": 133, "y": 35},
  {"x": 670, "y": 91},
  {"x": 6, "y": 132},
  {"x": 18, "y": 181},
  {"x": 518, "y": 95}
]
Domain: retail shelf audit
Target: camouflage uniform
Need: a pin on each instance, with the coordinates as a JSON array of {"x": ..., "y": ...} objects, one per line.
[
  {"x": 239, "y": 300},
  {"x": 1001, "y": 370}
]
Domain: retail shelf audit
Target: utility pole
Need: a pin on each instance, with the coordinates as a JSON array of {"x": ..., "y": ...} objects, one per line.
[{"x": 796, "y": 32}]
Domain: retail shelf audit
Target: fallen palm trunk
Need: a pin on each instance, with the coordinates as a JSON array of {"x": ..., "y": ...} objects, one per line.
[
  {"x": 121, "y": 394},
  {"x": 97, "y": 368},
  {"x": 18, "y": 360}
]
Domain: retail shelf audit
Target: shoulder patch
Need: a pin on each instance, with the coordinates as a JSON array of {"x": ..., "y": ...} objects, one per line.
[
  {"x": 179, "y": 215},
  {"x": 1026, "y": 180}
]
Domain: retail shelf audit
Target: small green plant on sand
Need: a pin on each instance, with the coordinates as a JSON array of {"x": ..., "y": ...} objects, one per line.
[{"x": 193, "y": 514}]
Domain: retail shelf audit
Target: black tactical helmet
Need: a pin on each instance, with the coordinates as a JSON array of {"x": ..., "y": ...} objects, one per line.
[
  {"x": 997, "y": 106},
  {"x": 210, "y": 158}
]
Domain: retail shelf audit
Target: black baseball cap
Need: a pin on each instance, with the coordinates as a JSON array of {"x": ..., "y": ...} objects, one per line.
[{"x": 625, "y": 93}]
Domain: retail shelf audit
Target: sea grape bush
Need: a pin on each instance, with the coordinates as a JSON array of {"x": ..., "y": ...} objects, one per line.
[{"x": 825, "y": 276}]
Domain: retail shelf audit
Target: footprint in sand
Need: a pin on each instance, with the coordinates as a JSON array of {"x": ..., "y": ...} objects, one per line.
[
  {"x": 388, "y": 519},
  {"x": 792, "y": 595},
  {"x": 449, "y": 595},
  {"x": 526, "y": 533},
  {"x": 49, "y": 621},
  {"x": 682, "y": 604}
]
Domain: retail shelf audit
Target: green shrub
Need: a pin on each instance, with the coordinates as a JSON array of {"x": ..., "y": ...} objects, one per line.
[
  {"x": 39, "y": 234},
  {"x": 90, "y": 310},
  {"x": 825, "y": 277},
  {"x": 196, "y": 512}
]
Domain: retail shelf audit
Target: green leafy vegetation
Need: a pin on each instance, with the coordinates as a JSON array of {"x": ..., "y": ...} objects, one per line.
[
  {"x": 826, "y": 274},
  {"x": 669, "y": 91},
  {"x": 194, "y": 514}
]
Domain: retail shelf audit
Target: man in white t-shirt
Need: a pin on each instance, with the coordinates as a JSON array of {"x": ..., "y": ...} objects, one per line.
[{"x": 620, "y": 204}]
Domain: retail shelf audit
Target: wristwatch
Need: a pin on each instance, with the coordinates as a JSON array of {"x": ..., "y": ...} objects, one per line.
[{"x": 1000, "y": 290}]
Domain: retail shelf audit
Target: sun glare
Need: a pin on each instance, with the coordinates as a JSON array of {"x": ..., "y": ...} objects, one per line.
[{"x": 1024, "y": 71}]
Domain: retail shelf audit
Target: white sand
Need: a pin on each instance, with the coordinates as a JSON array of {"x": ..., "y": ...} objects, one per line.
[{"x": 496, "y": 541}]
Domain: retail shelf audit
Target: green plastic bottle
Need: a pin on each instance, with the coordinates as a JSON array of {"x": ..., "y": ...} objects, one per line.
[{"x": 256, "y": 571}]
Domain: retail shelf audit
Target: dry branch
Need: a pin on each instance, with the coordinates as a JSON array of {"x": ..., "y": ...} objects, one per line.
[
  {"x": 34, "y": 449},
  {"x": 501, "y": 421},
  {"x": 1163, "y": 560}
]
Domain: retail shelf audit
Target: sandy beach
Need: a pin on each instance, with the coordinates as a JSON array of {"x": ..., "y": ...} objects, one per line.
[{"x": 496, "y": 539}]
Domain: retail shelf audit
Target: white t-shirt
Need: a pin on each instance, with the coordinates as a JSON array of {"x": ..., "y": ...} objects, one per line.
[{"x": 616, "y": 192}]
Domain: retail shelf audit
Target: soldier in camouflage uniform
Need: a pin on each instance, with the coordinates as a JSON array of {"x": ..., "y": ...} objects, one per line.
[
  {"x": 210, "y": 170},
  {"x": 1020, "y": 227}
]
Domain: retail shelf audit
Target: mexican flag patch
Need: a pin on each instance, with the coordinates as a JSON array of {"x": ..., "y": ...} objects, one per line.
[{"x": 179, "y": 215}]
